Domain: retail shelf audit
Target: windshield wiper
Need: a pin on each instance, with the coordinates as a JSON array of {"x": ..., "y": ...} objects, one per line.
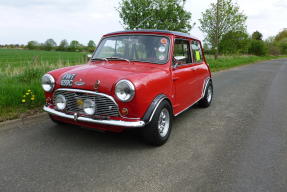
[
  {"x": 99, "y": 58},
  {"x": 118, "y": 58}
]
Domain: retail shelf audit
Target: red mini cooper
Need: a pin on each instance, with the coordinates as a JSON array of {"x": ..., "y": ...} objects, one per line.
[{"x": 135, "y": 79}]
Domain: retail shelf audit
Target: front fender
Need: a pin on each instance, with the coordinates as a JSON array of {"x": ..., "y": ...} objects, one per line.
[{"x": 152, "y": 108}]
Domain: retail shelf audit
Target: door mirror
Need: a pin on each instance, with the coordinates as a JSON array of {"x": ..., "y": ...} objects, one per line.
[{"x": 174, "y": 63}]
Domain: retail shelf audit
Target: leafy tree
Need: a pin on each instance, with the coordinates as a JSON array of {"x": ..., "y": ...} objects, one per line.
[
  {"x": 234, "y": 42},
  {"x": 33, "y": 45},
  {"x": 220, "y": 18},
  {"x": 280, "y": 41},
  {"x": 75, "y": 46},
  {"x": 155, "y": 14},
  {"x": 91, "y": 46},
  {"x": 49, "y": 44},
  {"x": 257, "y": 35},
  {"x": 281, "y": 35},
  {"x": 63, "y": 46}
]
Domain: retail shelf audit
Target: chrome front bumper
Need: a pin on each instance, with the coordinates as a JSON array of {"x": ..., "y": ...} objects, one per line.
[{"x": 104, "y": 122}]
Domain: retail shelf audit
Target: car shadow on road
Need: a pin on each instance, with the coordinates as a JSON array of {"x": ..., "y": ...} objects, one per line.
[
  {"x": 86, "y": 137},
  {"x": 76, "y": 135}
]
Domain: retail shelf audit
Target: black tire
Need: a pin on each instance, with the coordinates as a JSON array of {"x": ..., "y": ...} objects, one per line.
[
  {"x": 151, "y": 133},
  {"x": 208, "y": 96}
]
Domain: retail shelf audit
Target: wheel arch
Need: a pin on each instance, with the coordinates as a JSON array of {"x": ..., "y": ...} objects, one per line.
[
  {"x": 205, "y": 85},
  {"x": 154, "y": 105}
]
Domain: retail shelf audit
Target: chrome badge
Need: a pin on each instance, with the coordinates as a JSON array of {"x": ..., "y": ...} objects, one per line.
[{"x": 80, "y": 83}]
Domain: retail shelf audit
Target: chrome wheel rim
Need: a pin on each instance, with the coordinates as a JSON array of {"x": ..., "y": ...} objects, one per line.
[
  {"x": 209, "y": 94},
  {"x": 163, "y": 122}
]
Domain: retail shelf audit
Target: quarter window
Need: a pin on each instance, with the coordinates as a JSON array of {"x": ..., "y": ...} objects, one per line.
[
  {"x": 182, "y": 52},
  {"x": 196, "y": 52}
]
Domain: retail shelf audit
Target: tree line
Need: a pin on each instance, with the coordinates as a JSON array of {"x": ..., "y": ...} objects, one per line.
[
  {"x": 223, "y": 24},
  {"x": 50, "y": 44},
  {"x": 243, "y": 43}
]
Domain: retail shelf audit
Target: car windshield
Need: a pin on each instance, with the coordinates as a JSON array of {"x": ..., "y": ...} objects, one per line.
[{"x": 143, "y": 48}]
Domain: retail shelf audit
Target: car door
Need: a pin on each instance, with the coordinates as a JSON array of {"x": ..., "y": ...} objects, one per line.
[
  {"x": 199, "y": 67},
  {"x": 183, "y": 75}
]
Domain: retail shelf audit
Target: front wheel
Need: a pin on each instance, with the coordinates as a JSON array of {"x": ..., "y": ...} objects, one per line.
[{"x": 158, "y": 130}]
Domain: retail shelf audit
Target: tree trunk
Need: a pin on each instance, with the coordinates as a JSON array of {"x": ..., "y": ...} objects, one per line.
[
  {"x": 216, "y": 53},
  {"x": 217, "y": 30}
]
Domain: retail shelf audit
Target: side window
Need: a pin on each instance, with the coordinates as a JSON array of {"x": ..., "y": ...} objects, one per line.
[
  {"x": 182, "y": 52},
  {"x": 196, "y": 52}
]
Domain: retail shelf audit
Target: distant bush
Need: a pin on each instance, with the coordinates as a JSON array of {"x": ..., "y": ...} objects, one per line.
[
  {"x": 257, "y": 47},
  {"x": 273, "y": 49}
]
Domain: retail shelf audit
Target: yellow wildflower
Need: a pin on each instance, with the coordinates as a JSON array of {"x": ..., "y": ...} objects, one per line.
[
  {"x": 23, "y": 100},
  {"x": 32, "y": 99},
  {"x": 27, "y": 93}
]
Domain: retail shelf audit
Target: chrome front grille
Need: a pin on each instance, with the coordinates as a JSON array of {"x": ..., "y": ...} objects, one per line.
[{"x": 105, "y": 105}]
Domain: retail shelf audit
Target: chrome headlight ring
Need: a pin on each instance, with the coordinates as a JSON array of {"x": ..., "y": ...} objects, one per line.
[
  {"x": 125, "y": 90},
  {"x": 48, "y": 82}
]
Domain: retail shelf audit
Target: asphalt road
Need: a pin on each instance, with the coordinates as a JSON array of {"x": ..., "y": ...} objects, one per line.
[{"x": 237, "y": 144}]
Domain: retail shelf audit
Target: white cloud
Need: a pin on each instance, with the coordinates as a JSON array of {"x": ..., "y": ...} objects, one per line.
[{"x": 21, "y": 21}]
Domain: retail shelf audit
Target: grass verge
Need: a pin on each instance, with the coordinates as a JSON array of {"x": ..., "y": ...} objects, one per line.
[
  {"x": 226, "y": 62},
  {"x": 20, "y": 71}
]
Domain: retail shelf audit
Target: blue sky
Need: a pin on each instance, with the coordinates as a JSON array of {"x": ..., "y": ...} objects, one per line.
[{"x": 83, "y": 20}]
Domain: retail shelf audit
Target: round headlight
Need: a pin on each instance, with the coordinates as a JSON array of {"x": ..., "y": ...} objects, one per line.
[
  {"x": 125, "y": 90},
  {"x": 89, "y": 107},
  {"x": 48, "y": 82},
  {"x": 60, "y": 102}
]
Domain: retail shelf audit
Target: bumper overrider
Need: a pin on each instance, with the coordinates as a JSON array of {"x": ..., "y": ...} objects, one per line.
[{"x": 120, "y": 123}]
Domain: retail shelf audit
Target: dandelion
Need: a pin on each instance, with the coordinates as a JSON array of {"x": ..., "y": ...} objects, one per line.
[{"x": 23, "y": 100}]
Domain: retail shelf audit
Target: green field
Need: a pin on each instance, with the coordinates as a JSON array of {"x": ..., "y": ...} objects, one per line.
[{"x": 21, "y": 70}]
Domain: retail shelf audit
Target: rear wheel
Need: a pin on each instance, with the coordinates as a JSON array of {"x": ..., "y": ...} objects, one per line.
[
  {"x": 158, "y": 130},
  {"x": 208, "y": 96}
]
